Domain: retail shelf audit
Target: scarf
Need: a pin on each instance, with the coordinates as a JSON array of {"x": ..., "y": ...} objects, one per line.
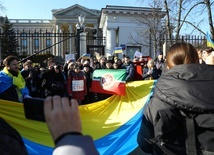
[{"x": 18, "y": 81}]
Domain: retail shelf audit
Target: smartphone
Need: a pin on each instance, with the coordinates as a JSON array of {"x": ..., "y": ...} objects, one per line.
[{"x": 34, "y": 108}]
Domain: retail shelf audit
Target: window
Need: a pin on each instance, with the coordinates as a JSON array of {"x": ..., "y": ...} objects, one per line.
[
  {"x": 48, "y": 42},
  {"x": 36, "y": 40},
  {"x": 23, "y": 40},
  {"x": 36, "y": 43},
  {"x": 48, "y": 39},
  {"x": 131, "y": 51},
  {"x": 24, "y": 43}
]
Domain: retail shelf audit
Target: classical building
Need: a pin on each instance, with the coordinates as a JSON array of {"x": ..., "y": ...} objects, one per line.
[{"x": 116, "y": 26}]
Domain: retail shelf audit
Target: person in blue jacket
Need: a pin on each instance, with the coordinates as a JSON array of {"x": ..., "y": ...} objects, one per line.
[{"x": 12, "y": 84}]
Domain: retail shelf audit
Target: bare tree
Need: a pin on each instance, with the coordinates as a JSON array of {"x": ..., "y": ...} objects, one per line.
[
  {"x": 2, "y": 8},
  {"x": 183, "y": 16},
  {"x": 208, "y": 5},
  {"x": 152, "y": 28}
]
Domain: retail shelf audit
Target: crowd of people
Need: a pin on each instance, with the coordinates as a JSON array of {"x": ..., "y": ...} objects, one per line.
[
  {"x": 72, "y": 79},
  {"x": 185, "y": 81}
]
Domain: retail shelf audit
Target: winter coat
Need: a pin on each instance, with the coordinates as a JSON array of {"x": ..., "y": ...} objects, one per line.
[
  {"x": 130, "y": 71},
  {"x": 183, "y": 87},
  {"x": 76, "y": 85}
]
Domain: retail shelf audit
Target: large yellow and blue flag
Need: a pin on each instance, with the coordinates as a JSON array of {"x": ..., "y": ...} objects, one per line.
[{"x": 113, "y": 123}]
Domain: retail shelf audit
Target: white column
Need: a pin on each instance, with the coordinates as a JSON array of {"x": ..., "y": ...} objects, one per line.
[
  {"x": 61, "y": 44},
  {"x": 110, "y": 41},
  {"x": 71, "y": 41},
  {"x": 52, "y": 42},
  {"x": 57, "y": 40},
  {"x": 30, "y": 50},
  {"x": 82, "y": 43},
  {"x": 41, "y": 42},
  {"x": 96, "y": 35}
]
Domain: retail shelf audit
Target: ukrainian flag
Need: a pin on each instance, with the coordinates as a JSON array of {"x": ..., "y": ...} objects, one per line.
[
  {"x": 210, "y": 42},
  {"x": 118, "y": 50},
  {"x": 113, "y": 123}
]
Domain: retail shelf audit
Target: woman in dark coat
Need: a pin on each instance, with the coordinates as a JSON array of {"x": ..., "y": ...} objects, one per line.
[{"x": 185, "y": 85}]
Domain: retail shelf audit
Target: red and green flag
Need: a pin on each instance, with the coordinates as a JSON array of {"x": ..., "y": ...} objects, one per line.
[{"x": 109, "y": 81}]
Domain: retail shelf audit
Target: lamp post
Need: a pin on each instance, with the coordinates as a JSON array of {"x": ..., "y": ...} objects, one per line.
[{"x": 79, "y": 28}]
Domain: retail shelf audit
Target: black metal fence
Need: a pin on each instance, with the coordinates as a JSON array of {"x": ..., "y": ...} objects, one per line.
[
  {"x": 196, "y": 41},
  {"x": 45, "y": 42}
]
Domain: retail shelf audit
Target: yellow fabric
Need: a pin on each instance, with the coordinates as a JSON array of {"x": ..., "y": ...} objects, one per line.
[
  {"x": 98, "y": 119},
  {"x": 108, "y": 115},
  {"x": 13, "y": 113},
  {"x": 18, "y": 81}
]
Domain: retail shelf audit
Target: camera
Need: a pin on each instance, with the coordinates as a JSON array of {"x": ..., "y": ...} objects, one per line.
[{"x": 34, "y": 109}]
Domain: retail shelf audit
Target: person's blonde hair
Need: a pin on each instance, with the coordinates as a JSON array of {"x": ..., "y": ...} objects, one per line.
[
  {"x": 151, "y": 63},
  {"x": 181, "y": 53}
]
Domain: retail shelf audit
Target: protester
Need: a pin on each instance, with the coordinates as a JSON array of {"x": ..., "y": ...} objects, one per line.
[
  {"x": 11, "y": 142},
  {"x": 58, "y": 82},
  {"x": 63, "y": 120},
  {"x": 88, "y": 75},
  {"x": 109, "y": 64},
  {"x": 47, "y": 80},
  {"x": 150, "y": 72},
  {"x": 32, "y": 78},
  {"x": 12, "y": 84},
  {"x": 201, "y": 61},
  {"x": 206, "y": 52},
  {"x": 102, "y": 63},
  {"x": 159, "y": 62},
  {"x": 130, "y": 69},
  {"x": 76, "y": 85},
  {"x": 187, "y": 86},
  {"x": 115, "y": 66},
  {"x": 210, "y": 59},
  {"x": 119, "y": 63}
]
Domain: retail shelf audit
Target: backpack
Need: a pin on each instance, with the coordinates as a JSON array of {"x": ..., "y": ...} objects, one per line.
[
  {"x": 11, "y": 142},
  {"x": 183, "y": 132}
]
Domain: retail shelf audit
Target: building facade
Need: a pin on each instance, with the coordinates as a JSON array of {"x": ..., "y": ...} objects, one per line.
[{"x": 116, "y": 26}]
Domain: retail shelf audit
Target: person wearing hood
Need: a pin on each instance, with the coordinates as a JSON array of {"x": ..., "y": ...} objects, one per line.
[{"x": 186, "y": 85}]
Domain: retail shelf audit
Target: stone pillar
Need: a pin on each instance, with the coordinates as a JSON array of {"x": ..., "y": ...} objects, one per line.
[
  {"x": 30, "y": 43},
  {"x": 82, "y": 43},
  {"x": 52, "y": 42},
  {"x": 110, "y": 41},
  {"x": 61, "y": 51},
  {"x": 71, "y": 40},
  {"x": 96, "y": 35},
  {"x": 57, "y": 40}
]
